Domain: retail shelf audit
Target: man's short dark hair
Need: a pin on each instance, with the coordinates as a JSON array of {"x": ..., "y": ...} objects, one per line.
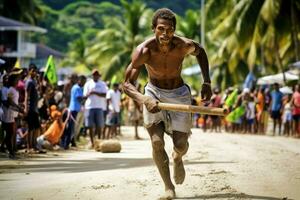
[
  {"x": 164, "y": 13},
  {"x": 32, "y": 67},
  {"x": 82, "y": 78}
]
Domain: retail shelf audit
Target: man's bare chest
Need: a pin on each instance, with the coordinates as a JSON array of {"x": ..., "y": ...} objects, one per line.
[{"x": 167, "y": 60}]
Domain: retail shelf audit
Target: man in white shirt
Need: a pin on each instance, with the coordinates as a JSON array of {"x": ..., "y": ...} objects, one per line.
[
  {"x": 95, "y": 92},
  {"x": 113, "y": 118}
]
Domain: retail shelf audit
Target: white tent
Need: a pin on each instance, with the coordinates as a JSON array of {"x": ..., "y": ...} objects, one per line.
[
  {"x": 278, "y": 78},
  {"x": 295, "y": 65},
  {"x": 193, "y": 70},
  {"x": 286, "y": 90}
]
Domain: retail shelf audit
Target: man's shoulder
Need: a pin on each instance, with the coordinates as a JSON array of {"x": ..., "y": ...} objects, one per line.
[
  {"x": 182, "y": 41},
  {"x": 146, "y": 45},
  {"x": 88, "y": 82},
  {"x": 76, "y": 87}
]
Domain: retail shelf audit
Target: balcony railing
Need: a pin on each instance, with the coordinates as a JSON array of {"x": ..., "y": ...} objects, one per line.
[{"x": 27, "y": 50}]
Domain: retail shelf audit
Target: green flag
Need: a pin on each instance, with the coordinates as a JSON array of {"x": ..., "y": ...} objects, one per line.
[
  {"x": 230, "y": 101},
  {"x": 236, "y": 114},
  {"x": 50, "y": 71}
]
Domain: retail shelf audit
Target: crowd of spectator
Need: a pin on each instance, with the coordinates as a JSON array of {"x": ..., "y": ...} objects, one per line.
[
  {"x": 37, "y": 116},
  {"x": 250, "y": 111}
]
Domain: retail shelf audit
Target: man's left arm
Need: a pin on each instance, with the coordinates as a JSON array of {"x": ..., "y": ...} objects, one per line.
[{"x": 202, "y": 59}]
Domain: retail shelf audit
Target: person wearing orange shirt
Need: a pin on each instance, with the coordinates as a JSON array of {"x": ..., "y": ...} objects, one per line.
[
  {"x": 260, "y": 110},
  {"x": 53, "y": 134}
]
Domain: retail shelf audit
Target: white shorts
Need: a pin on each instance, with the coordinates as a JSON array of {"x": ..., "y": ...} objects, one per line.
[{"x": 173, "y": 121}]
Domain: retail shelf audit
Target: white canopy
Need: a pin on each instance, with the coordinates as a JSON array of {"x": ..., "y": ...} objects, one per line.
[
  {"x": 193, "y": 70},
  {"x": 295, "y": 65},
  {"x": 286, "y": 90},
  {"x": 278, "y": 78}
]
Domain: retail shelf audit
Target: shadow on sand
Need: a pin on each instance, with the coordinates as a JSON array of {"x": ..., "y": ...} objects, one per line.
[{"x": 234, "y": 196}]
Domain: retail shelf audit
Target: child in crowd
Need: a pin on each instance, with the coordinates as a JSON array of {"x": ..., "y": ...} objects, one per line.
[
  {"x": 250, "y": 114},
  {"x": 22, "y": 133},
  {"x": 287, "y": 116}
]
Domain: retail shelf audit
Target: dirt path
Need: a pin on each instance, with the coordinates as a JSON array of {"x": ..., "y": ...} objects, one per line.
[{"x": 219, "y": 166}]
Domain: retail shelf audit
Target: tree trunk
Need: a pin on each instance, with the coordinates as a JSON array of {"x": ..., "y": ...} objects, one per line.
[
  {"x": 294, "y": 31},
  {"x": 278, "y": 59}
]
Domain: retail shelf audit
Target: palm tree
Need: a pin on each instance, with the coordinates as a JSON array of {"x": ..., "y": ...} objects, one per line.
[
  {"x": 255, "y": 31},
  {"x": 28, "y": 11},
  {"x": 77, "y": 56},
  {"x": 113, "y": 45}
]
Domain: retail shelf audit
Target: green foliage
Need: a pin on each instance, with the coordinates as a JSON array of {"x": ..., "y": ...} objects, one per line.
[
  {"x": 28, "y": 11},
  {"x": 258, "y": 32},
  {"x": 78, "y": 19},
  {"x": 111, "y": 49}
]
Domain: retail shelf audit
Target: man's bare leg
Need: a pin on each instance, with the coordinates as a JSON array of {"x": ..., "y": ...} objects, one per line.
[
  {"x": 98, "y": 132},
  {"x": 161, "y": 159},
  {"x": 181, "y": 145},
  {"x": 36, "y": 134},
  {"x": 91, "y": 134}
]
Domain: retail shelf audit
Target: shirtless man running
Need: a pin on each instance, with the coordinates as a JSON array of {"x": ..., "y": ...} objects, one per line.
[{"x": 162, "y": 55}]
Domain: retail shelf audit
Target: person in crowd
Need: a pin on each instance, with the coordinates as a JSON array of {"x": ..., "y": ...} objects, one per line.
[
  {"x": 11, "y": 104},
  {"x": 276, "y": 107},
  {"x": 113, "y": 117},
  {"x": 94, "y": 91},
  {"x": 51, "y": 137},
  {"x": 250, "y": 114},
  {"x": 72, "y": 79},
  {"x": 31, "y": 107},
  {"x": 260, "y": 102},
  {"x": 216, "y": 103},
  {"x": 76, "y": 99},
  {"x": 134, "y": 116},
  {"x": 4, "y": 89},
  {"x": 287, "y": 115},
  {"x": 296, "y": 110},
  {"x": 22, "y": 133},
  {"x": 237, "y": 124},
  {"x": 21, "y": 85}
]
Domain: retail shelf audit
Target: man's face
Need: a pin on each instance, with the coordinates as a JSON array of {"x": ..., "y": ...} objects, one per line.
[
  {"x": 96, "y": 77},
  {"x": 276, "y": 87},
  {"x": 33, "y": 73},
  {"x": 164, "y": 31},
  {"x": 82, "y": 82}
]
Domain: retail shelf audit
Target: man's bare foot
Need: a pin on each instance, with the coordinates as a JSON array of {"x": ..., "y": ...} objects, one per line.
[
  {"x": 179, "y": 172},
  {"x": 169, "y": 194}
]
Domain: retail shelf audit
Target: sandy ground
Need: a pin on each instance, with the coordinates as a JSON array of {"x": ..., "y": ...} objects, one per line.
[{"x": 218, "y": 166}]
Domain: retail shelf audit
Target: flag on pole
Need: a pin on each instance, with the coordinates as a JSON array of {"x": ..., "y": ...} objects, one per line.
[
  {"x": 236, "y": 114},
  {"x": 230, "y": 101},
  {"x": 50, "y": 71},
  {"x": 17, "y": 64}
]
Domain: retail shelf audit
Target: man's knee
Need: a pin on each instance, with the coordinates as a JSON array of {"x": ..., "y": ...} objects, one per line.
[
  {"x": 158, "y": 144},
  {"x": 181, "y": 146}
]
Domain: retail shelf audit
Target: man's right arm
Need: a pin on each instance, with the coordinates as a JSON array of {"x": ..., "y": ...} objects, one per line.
[{"x": 139, "y": 58}]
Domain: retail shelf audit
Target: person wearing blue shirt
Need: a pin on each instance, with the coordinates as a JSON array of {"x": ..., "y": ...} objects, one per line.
[
  {"x": 276, "y": 107},
  {"x": 76, "y": 98}
]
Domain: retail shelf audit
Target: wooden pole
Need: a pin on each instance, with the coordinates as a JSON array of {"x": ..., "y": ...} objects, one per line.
[{"x": 192, "y": 109}]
